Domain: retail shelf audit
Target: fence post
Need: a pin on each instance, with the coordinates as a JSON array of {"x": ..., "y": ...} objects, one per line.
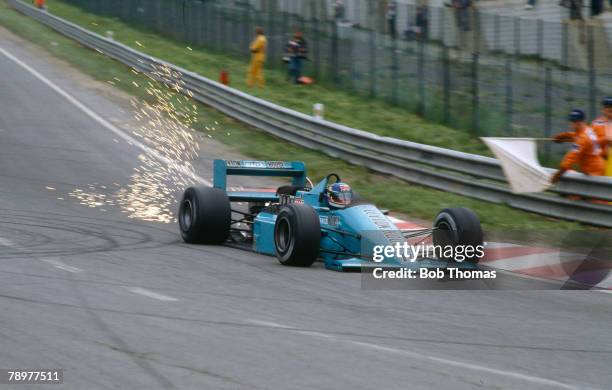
[
  {"x": 270, "y": 30},
  {"x": 354, "y": 71},
  {"x": 229, "y": 22},
  {"x": 446, "y": 82},
  {"x": 213, "y": 20},
  {"x": 394, "y": 71},
  {"x": 541, "y": 38},
  {"x": 187, "y": 21},
  {"x": 247, "y": 27},
  {"x": 334, "y": 51},
  {"x": 285, "y": 25},
  {"x": 317, "y": 46},
  {"x": 421, "y": 76},
  {"x": 517, "y": 36},
  {"x": 592, "y": 73},
  {"x": 201, "y": 25},
  {"x": 204, "y": 24},
  {"x": 547, "y": 111},
  {"x": 372, "y": 75},
  {"x": 300, "y": 22},
  {"x": 442, "y": 26},
  {"x": 477, "y": 30},
  {"x": 475, "y": 94},
  {"x": 564, "y": 43},
  {"x": 496, "y": 32},
  {"x": 223, "y": 29},
  {"x": 215, "y": 25},
  {"x": 509, "y": 93}
]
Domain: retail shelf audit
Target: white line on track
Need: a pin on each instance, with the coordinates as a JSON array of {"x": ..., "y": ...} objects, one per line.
[
  {"x": 269, "y": 324},
  {"x": 151, "y": 294},
  {"x": 104, "y": 122},
  {"x": 6, "y": 242},
  {"x": 468, "y": 366},
  {"x": 65, "y": 267},
  {"x": 280, "y": 326},
  {"x": 420, "y": 356},
  {"x": 57, "y": 264}
]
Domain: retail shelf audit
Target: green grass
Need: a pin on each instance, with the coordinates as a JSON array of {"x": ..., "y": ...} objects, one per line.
[{"x": 413, "y": 200}]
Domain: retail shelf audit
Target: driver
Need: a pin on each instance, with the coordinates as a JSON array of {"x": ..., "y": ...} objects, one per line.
[{"x": 339, "y": 195}]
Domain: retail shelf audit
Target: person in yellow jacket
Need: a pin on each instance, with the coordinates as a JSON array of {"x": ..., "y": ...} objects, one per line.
[
  {"x": 603, "y": 128},
  {"x": 258, "y": 57}
]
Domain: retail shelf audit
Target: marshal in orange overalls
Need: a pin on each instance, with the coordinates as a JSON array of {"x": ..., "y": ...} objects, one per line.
[{"x": 586, "y": 153}]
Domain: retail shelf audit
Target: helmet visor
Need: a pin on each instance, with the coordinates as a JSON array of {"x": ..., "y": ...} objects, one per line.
[{"x": 343, "y": 198}]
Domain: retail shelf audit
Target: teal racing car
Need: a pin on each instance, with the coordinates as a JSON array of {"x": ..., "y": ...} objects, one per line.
[{"x": 301, "y": 222}]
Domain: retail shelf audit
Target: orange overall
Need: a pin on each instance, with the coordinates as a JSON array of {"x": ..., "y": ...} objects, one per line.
[{"x": 586, "y": 153}]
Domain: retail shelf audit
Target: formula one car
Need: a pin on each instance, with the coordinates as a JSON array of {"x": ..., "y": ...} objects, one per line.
[{"x": 302, "y": 222}]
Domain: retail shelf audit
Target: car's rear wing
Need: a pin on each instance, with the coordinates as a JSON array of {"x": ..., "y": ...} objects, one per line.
[{"x": 296, "y": 170}]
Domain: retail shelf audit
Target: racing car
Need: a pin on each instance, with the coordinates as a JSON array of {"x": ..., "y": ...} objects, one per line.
[{"x": 302, "y": 222}]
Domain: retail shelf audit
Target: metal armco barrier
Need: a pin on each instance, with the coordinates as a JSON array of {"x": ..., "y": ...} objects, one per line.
[{"x": 447, "y": 170}]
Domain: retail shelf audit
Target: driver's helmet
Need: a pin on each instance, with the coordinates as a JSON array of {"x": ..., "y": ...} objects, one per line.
[{"x": 340, "y": 195}]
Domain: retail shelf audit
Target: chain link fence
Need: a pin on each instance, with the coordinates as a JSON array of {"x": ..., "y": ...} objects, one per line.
[{"x": 472, "y": 69}]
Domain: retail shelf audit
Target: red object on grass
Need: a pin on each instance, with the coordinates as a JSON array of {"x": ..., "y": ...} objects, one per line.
[
  {"x": 224, "y": 77},
  {"x": 306, "y": 80}
]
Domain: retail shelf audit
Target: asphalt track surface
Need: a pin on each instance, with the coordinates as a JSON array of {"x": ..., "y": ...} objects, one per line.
[{"x": 121, "y": 303}]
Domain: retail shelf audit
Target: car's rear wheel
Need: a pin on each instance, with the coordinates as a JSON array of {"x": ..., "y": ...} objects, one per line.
[
  {"x": 458, "y": 226},
  {"x": 204, "y": 215},
  {"x": 297, "y": 235}
]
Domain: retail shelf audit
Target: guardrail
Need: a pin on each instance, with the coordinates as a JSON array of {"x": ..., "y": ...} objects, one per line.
[{"x": 448, "y": 170}]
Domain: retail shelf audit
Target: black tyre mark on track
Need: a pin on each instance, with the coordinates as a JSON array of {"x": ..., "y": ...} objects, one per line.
[{"x": 50, "y": 234}]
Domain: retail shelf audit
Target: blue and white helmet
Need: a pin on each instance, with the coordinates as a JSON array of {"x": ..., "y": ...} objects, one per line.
[{"x": 339, "y": 195}]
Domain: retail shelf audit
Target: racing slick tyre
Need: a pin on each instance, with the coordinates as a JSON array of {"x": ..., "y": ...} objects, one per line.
[
  {"x": 204, "y": 215},
  {"x": 458, "y": 226},
  {"x": 297, "y": 234}
]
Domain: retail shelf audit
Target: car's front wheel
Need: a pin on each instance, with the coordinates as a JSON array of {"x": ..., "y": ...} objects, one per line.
[
  {"x": 458, "y": 226},
  {"x": 297, "y": 235}
]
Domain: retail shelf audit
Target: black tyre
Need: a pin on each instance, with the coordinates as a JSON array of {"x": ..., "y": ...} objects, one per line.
[
  {"x": 204, "y": 215},
  {"x": 297, "y": 235},
  {"x": 458, "y": 226}
]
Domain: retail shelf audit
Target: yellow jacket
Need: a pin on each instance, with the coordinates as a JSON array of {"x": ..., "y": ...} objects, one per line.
[{"x": 258, "y": 48}]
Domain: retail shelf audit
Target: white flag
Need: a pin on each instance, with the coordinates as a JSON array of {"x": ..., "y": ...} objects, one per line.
[{"x": 519, "y": 160}]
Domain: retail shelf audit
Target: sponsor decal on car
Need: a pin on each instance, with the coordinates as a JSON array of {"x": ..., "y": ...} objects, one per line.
[{"x": 257, "y": 164}]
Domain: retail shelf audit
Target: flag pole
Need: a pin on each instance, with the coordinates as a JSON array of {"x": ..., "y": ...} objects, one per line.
[{"x": 524, "y": 139}]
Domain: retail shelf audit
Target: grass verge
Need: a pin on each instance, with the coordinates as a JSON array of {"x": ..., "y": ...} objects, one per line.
[{"x": 417, "y": 201}]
